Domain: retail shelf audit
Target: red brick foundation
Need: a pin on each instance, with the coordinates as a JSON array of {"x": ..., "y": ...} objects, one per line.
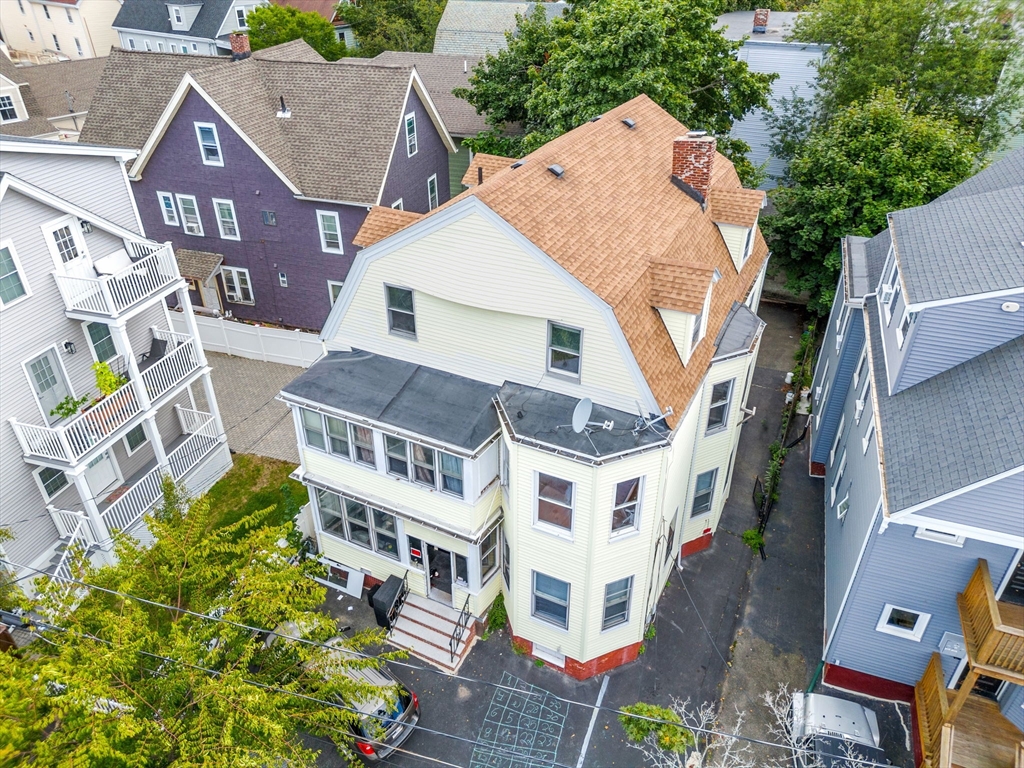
[
  {"x": 581, "y": 670},
  {"x": 860, "y": 682},
  {"x": 697, "y": 545},
  {"x": 371, "y": 581}
]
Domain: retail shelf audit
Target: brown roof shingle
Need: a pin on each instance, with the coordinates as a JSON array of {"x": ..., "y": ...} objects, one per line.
[
  {"x": 491, "y": 164},
  {"x": 381, "y": 222},
  {"x": 736, "y": 206},
  {"x": 679, "y": 285}
]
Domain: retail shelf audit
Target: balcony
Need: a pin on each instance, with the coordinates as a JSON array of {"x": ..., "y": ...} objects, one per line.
[
  {"x": 137, "y": 273},
  {"x": 172, "y": 358},
  {"x": 993, "y": 630}
]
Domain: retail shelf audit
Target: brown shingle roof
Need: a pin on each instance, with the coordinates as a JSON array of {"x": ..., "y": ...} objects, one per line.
[
  {"x": 296, "y": 50},
  {"x": 381, "y": 222},
  {"x": 736, "y": 206},
  {"x": 199, "y": 265},
  {"x": 679, "y": 285},
  {"x": 491, "y": 164},
  {"x": 80, "y": 78}
]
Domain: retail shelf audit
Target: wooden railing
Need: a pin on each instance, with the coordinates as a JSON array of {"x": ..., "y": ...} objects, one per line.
[
  {"x": 156, "y": 268},
  {"x": 932, "y": 702},
  {"x": 995, "y": 646},
  {"x": 172, "y": 368}
]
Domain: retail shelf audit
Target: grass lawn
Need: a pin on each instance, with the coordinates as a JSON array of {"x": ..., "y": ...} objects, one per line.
[{"x": 254, "y": 483}]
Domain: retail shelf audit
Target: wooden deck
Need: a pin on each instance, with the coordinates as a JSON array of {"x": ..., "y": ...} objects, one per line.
[{"x": 982, "y": 737}]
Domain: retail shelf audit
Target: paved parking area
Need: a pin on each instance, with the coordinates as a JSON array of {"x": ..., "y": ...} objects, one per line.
[{"x": 254, "y": 421}]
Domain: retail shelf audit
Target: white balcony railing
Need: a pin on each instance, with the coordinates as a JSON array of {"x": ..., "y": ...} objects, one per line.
[
  {"x": 173, "y": 367},
  {"x": 112, "y": 294},
  {"x": 72, "y": 525},
  {"x": 71, "y": 441}
]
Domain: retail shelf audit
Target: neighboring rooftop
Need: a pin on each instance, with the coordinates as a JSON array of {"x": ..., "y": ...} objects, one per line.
[
  {"x": 543, "y": 416},
  {"x": 153, "y": 16},
  {"x": 740, "y": 24},
  {"x": 45, "y": 89},
  {"x": 863, "y": 261},
  {"x": 478, "y": 27},
  {"x": 969, "y": 241},
  {"x": 424, "y": 401},
  {"x": 198, "y": 265},
  {"x": 917, "y": 424}
]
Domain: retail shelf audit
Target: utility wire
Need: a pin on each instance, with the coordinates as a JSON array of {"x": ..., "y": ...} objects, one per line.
[{"x": 860, "y": 763}]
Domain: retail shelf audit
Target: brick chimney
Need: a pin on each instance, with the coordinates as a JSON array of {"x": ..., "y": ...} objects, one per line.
[
  {"x": 693, "y": 161},
  {"x": 761, "y": 20},
  {"x": 239, "y": 46}
]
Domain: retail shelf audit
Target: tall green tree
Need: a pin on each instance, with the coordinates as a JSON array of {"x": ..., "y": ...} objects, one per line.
[
  {"x": 940, "y": 57},
  {"x": 555, "y": 75},
  {"x": 394, "y": 25},
  {"x": 100, "y": 690},
  {"x": 275, "y": 24},
  {"x": 873, "y": 158}
]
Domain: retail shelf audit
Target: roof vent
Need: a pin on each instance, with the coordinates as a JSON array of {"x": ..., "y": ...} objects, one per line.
[
  {"x": 557, "y": 170},
  {"x": 284, "y": 111},
  {"x": 517, "y": 163},
  {"x": 594, "y": 119},
  {"x": 629, "y": 122},
  {"x": 695, "y": 134}
]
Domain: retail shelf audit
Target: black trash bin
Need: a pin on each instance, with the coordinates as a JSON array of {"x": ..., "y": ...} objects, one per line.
[{"x": 387, "y": 600}]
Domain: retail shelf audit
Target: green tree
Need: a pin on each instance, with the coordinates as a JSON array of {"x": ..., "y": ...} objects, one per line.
[
  {"x": 940, "y": 58},
  {"x": 555, "y": 75},
  {"x": 871, "y": 159},
  {"x": 394, "y": 25},
  {"x": 275, "y": 24},
  {"x": 124, "y": 683}
]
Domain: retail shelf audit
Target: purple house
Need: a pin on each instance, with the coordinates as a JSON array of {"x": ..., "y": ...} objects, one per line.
[{"x": 261, "y": 170}]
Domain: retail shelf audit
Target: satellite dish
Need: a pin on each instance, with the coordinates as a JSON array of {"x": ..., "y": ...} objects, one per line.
[{"x": 581, "y": 414}]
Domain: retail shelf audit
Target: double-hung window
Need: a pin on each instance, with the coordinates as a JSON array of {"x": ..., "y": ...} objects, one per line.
[
  {"x": 330, "y": 231},
  {"x": 240, "y": 15},
  {"x": 103, "y": 348},
  {"x": 337, "y": 436},
  {"x": 432, "y": 192},
  {"x": 190, "y": 214},
  {"x": 551, "y": 600},
  {"x": 564, "y": 348},
  {"x": 704, "y": 493},
  {"x": 626, "y": 512},
  {"x": 489, "y": 554},
  {"x": 237, "y": 287},
  {"x": 506, "y": 561},
  {"x": 361, "y": 525},
  {"x": 836, "y": 441},
  {"x": 56, "y": 42},
  {"x": 555, "y": 501},
  {"x": 411, "y": 147},
  {"x": 903, "y": 329},
  {"x": 313, "y": 429},
  {"x": 7, "y": 110},
  {"x": 451, "y": 474},
  {"x": 839, "y": 478},
  {"x": 12, "y": 284},
  {"x": 424, "y": 466},
  {"x": 334, "y": 287},
  {"x": 860, "y": 366},
  {"x": 396, "y": 451},
  {"x": 718, "y": 413},
  {"x": 891, "y": 293},
  {"x": 170, "y": 213},
  {"x": 423, "y": 470},
  {"x": 868, "y": 434},
  {"x": 863, "y": 400},
  {"x": 385, "y": 533},
  {"x": 616, "y": 602},
  {"x": 362, "y": 441},
  {"x": 209, "y": 144},
  {"x": 401, "y": 311},
  {"x": 227, "y": 223}
]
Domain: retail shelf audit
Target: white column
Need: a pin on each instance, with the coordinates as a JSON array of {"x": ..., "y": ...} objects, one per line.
[
  {"x": 190, "y": 320},
  {"x": 120, "y": 335},
  {"x": 99, "y": 526},
  {"x": 211, "y": 401},
  {"x": 153, "y": 435}
]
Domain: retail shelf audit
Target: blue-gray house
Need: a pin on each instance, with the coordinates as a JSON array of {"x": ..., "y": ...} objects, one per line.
[
  {"x": 918, "y": 430},
  {"x": 261, "y": 170}
]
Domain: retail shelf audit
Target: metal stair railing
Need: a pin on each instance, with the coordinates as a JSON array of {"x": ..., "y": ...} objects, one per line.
[{"x": 460, "y": 630}]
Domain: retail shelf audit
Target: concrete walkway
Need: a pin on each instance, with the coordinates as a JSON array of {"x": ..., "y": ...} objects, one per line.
[{"x": 254, "y": 421}]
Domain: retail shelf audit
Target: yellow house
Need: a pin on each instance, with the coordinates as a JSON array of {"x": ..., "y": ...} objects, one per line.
[
  {"x": 58, "y": 29},
  {"x": 537, "y": 389}
]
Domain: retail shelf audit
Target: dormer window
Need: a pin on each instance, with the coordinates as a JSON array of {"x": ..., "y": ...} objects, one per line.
[
  {"x": 700, "y": 323},
  {"x": 177, "y": 15},
  {"x": 209, "y": 144},
  {"x": 7, "y": 110}
]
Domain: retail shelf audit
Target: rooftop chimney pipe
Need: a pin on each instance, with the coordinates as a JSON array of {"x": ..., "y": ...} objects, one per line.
[
  {"x": 239, "y": 46},
  {"x": 761, "y": 20},
  {"x": 693, "y": 162}
]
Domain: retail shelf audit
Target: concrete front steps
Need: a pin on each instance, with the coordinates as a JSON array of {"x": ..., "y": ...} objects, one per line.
[{"x": 424, "y": 628}]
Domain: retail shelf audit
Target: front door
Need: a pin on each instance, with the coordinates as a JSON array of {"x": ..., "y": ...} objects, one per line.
[
  {"x": 70, "y": 247},
  {"x": 48, "y": 382},
  {"x": 101, "y": 475},
  {"x": 439, "y": 568},
  {"x": 210, "y": 295}
]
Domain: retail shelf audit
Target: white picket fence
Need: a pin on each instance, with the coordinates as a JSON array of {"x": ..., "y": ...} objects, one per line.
[{"x": 271, "y": 345}]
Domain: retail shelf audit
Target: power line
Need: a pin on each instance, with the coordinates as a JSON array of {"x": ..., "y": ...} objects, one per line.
[{"x": 861, "y": 763}]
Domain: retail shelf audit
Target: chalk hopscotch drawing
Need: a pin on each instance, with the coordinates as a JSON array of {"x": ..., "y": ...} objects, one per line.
[{"x": 524, "y": 725}]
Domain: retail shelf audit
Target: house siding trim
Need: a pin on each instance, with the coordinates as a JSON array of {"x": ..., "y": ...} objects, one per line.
[
  {"x": 958, "y": 529},
  {"x": 460, "y": 210}
]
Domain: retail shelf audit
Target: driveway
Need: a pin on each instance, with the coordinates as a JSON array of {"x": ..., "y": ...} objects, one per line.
[{"x": 254, "y": 421}]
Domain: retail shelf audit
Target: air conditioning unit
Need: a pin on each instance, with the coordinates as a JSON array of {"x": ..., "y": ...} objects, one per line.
[{"x": 886, "y": 293}]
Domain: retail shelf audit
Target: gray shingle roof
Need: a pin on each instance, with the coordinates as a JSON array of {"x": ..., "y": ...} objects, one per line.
[
  {"x": 152, "y": 16},
  {"x": 37, "y": 124},
  {"x": 935, "y": 438},
  {"x": 477, "y": 27},
  {"x": 79, "y": 77},
  {"x": 962, "y": 245},
  {"x": 1007, "y": 172},
  {"x": 863, "y": 260},
  {"x": 343, "y": 118}
]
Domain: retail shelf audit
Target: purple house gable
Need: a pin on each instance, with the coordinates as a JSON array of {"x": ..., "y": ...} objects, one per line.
[
  {"x": 292, "y": 247},
  {"x": 407, "y": 176}
]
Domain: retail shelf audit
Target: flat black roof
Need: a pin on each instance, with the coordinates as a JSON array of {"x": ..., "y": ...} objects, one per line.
[
  {"x": 546, "y": 417},
  {"x": 428, "y": 402}
]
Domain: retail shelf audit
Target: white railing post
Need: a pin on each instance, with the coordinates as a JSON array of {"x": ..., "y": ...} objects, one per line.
[
  {"x": 153, "y": 434},
  {"x": 62, "y": 435},
  {"x": 190, "y": 320},
  {"x": 211, "y": 401},
  {"x": 108, "y": 297},
  {"x": 99, "y": 526},
  {"x": 121, "y": 338},
  {"x": 17, "y": 433}
]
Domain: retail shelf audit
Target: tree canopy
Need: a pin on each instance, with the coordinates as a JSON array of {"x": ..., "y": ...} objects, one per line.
[
  {"x": 874, "y": 158},
  {"x": 939, "y": 58},
  {"x": 555, "y": 75},
  {"x": 394, "y": 25},
  {"x": 275, "y": 24},
  {"x": 120, "y": 682}
]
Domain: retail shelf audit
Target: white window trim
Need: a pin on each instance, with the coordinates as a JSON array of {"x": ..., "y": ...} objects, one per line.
[
  {"x": 323, "y": 237},
  {"x": 843, "y": 507},
  {"x": 862, "y": 403},
  {"x": 282, "y": 279},
  {"x": 409, "y": 150},
  {"x": 399, "y": 204},
  {"x": 940, "y": 537},
  {"x": 869, "y": 433},
  {"x": 547, "y": 354},
  {"x": 32, "y": 386},
  {"x": 216, "y": 139},
  {"x": 634, "y": 529},
  {"x": 248, "y": 278},
  {"x": 835, "y": 441},
  {"x": 714, "y": 495},
  {"x": 131, "y": 42},
  {"x": 42, "y": 489},
  {"x": 173, "y": 211},
  {"x": 9, "y": 245},
  {"x": 533, "y": 601},
  {"x": 554, "y": 530},
  {"x": 220, "y": 223},
  {"x": 177, "y": 15},
  {"x": 146, "y": 42},
  {"x": 436, "y": 195},
  {"x": 181, "y": 215},
  {"x": 330, "y": 290},
  {"x": 92, "y": 349},
  {"x": 900, "y": 338},
  {"x": 128, "y": 448},
  {"x": 861, "y": 366},
  {"x": 387, "y": 310},
  {"x": 629, "y": 605},
  {"x": 17, "y": 118},
  {"x": 702, "y": 318},
  {"x": 916, "y": 634},
  {"x": 839, "y": 476},
  {"x": 709, "y": 430},
  {"x": 50, "y": 227}
]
